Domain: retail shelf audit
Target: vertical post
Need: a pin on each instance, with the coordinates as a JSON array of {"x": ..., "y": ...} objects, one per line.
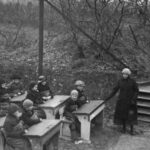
[{"x": 41, "y": 27}]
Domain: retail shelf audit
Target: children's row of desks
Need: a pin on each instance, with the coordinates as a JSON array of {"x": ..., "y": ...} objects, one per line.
[{"x": 47, "y": 128}]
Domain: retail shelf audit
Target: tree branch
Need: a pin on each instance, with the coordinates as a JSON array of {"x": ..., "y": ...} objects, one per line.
[{"x": 87, "y": 35}]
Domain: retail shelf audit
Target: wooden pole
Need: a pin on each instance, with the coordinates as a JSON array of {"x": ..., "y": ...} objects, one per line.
[{"x": 41, "y": 27}]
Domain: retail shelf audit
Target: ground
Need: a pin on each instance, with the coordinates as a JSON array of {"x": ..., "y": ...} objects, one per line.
[{"x": 109, "y": 138}]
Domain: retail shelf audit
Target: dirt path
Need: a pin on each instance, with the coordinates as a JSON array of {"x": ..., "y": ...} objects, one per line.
[
  {"x": 110, "y": 138},
  {"x": 127, "y": 142}
]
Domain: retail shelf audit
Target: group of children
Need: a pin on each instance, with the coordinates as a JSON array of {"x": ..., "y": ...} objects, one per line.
[{"x": 20, "y": 118}]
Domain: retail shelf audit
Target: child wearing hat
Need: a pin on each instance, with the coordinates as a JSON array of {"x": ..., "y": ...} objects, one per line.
[
  {"x": 71, "y": 106},
  {"x": 33, "y": 94},
  {"x": 14, "y": 129},
  {"x": 29, "y": 116},
  {"x": 15, "y": 87},
  {"x": 80, "y": 86},
  {"x": 44, "y": 88}
]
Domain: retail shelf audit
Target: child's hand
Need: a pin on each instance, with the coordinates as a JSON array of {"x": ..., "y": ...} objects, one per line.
[
  {"x": 21, "y": 122},
  {"x": 34, "y": 116}
]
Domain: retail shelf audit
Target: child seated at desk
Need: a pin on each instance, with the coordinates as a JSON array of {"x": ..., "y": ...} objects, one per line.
[
  {"x": 4, "y": 98},
  {"x": 44, "y": 88},
  {"x": 14, "y": 129},
  {"x": 80, "y": 85},
  {"x": 72, "y": 105},
  {"x": 33, "y": 94},
  {"x": 30, "y": 116},
  {"x": 15, "y": 87}
]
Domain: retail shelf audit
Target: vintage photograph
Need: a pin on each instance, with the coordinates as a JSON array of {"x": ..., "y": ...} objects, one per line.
[{"x": 74, "y": 75}]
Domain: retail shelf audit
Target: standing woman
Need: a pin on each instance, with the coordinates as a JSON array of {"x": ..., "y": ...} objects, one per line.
[{"x": 126, "y": 107}]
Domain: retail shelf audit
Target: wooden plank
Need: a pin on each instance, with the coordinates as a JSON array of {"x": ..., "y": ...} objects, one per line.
[
  {"x": 144, "y": 97},
  {"x": 55, "y": 102},
  {"x": 143, "y": 111},
  {"x": 144, "y": 119},
  {"x": 19, "y": 98},
  {"x": 40, "y": 129},
  {"x": 144, "y": 89},
  {"x": 89, "y": 108},
  {"x": 143, "y": 104},
  {"x": 143, "y": 83}
]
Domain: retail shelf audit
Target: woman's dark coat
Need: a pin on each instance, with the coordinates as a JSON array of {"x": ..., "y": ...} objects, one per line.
[{"x": 128, "y": 92}]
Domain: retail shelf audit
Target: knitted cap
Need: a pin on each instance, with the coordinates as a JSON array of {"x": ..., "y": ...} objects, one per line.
[
  {"x": 13, "y": 108},
  {"x": 79, "y": 83},
  {"x": 27, "y": 103},
  {"x": 126, "y": 71},
  {"x": 41, "y": 78},
  {"x": 74, "y": 92}
]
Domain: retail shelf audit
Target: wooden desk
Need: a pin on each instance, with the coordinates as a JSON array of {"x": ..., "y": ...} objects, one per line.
[
  {"x": 2, "y": 120},
  {"x": 86, "y": 113},
  {"x": 43, "y": 133},
  {"x": 20, "y": 98},
  {"x": 52, "y": 106}
]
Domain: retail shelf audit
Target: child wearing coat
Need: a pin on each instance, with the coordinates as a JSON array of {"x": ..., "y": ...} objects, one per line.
[
  {"x": 72, "y": 105},
  {"x": 15, "y": 87},
  {"x": 30, "y": 116},
  {"x": 44, "y": 88},
  {"x": 14, "y": 129},
  {"x": 80, "y": 85},
  {"x": 33, "y": 94}
]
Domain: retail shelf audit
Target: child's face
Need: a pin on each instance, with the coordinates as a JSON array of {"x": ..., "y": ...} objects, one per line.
[
  {"x": 74, "y": 96},
  {"x": 29, "y": 108},
  {"x": 3, "y": 85},
  {"x": 16, "y": 80},
  {"x": 125, "y": 76},
  {"x": 44, "y": 82},
  {"x": 80, "y": 87},
  {"x": 34, "y": 88},
  {"x": 18, "y": 114}
]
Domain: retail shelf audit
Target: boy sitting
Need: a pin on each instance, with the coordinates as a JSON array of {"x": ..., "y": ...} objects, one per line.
[
  {"x": 15, "y": 87},
  {"x": 44, "y": 88},
  {"x": 30, "y": 117},
  {"x": 80, "y": 85},
  {"x": 14, "y": 129},
  {"x": 4, "y": 96},
  {"x": 72, "y": 105},
  {"x": 33, "y": 94}
]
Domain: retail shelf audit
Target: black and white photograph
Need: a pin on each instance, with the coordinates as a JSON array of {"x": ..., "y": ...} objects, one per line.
[{"x": 74, "y": 75}]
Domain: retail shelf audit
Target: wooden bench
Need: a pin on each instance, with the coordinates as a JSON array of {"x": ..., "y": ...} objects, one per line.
[
  {"x": 86, "y": 114},
  {"x": 45, "y": 132},
  {"x": 52, "y": 106}
]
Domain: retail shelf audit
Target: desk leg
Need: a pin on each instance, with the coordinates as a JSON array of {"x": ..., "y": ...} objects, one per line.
[
  {"x": 99, "y": 119},
  {"x": 85, "y": 128},
  {"x": 52, "y": 144},
  {"x": 49, "y": 114},
  {"x": 36, "y": 145}
]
